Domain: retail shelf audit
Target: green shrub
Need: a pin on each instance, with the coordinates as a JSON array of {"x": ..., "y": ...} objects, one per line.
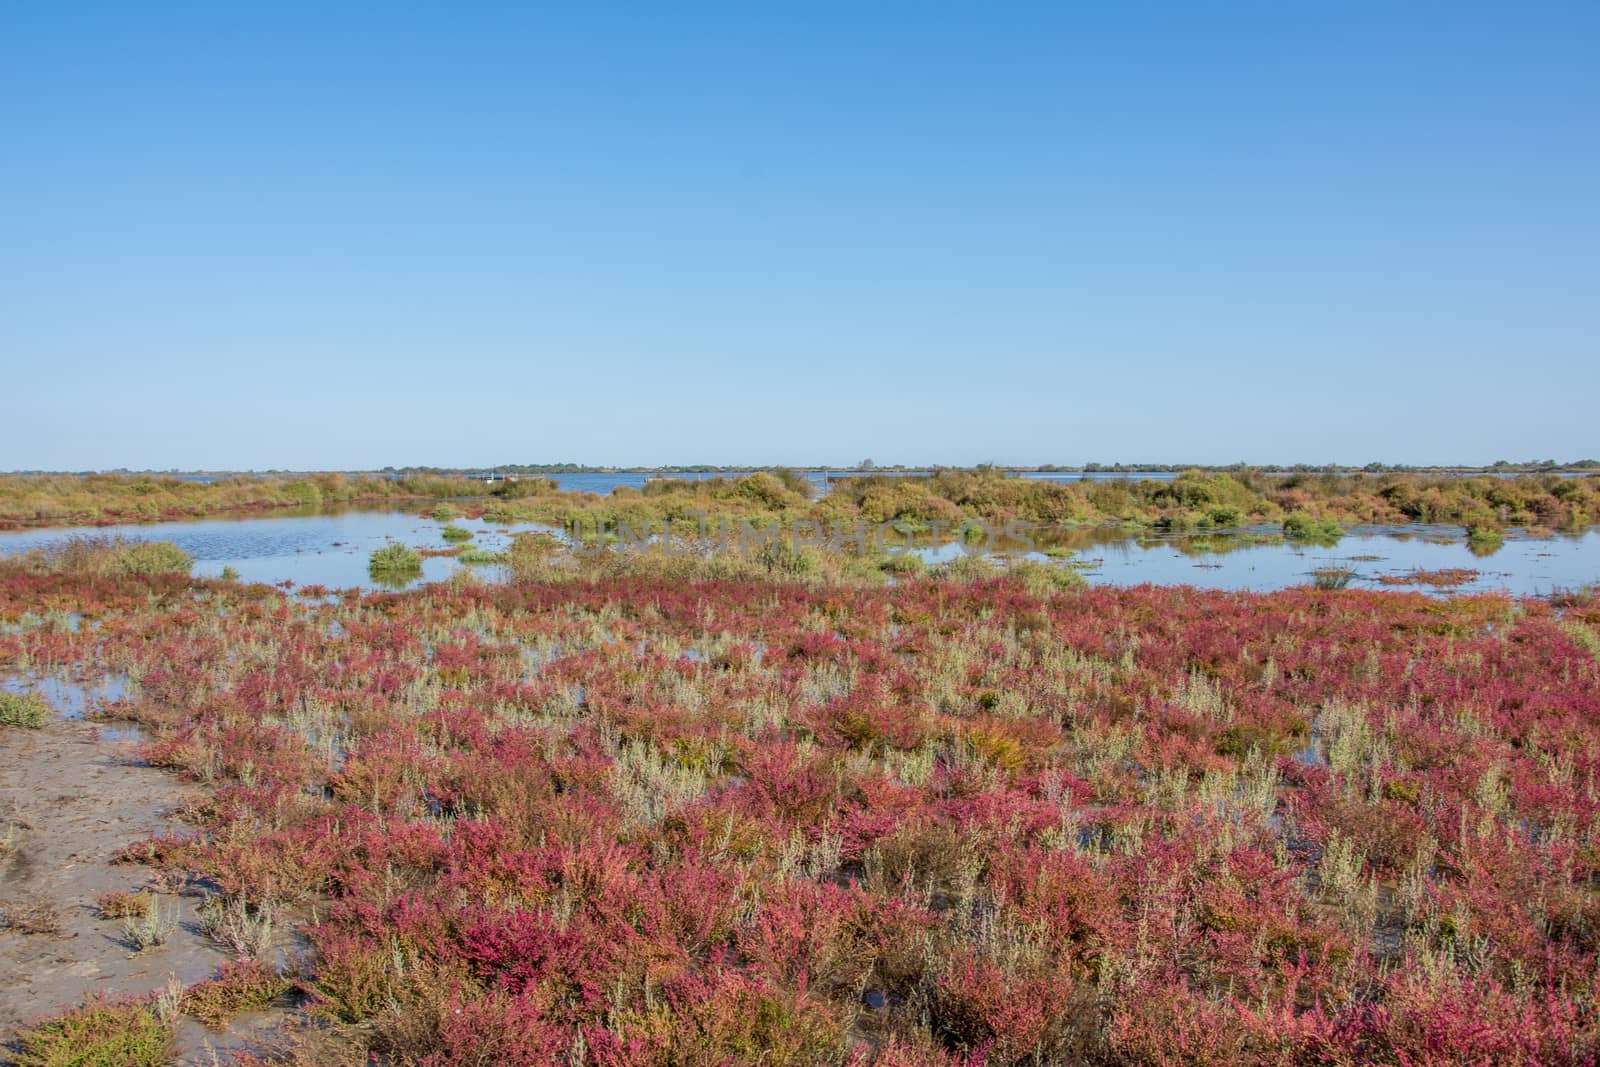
[
  {"x": 443, "y": 513},
  {"x": 781, "y": 558},
  {"x": 768, "y": 491},
  {"x": 242, "y": 985},
  {"x": 530, "y": 555},
  {"x": 523, "y": 488},
  {"x": 795, "y": 482},
  {"x": 966, "y": 569},
  {"x": 306, "y": 494},
  {"x": 1042, "y": 579},
  {"x": 152, "y": 557},
  {"x": 1484, "y": 540},
  {"x": 475, "y": 556},
  {"x": 1301, "y": 526},
  {"x": 903, "y": 563},
  {"x": 100, "y": 1034},
  {"x": 395, "y": 560},
  {"x": 27, "y": 711},
  {"x": 455, "y": 534}
]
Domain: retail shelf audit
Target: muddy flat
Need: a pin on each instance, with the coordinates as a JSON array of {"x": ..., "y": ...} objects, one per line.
[{"x": 69, "y": 799}]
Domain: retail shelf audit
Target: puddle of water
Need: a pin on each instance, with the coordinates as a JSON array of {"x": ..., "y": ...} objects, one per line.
[
  {"x": 72, "y": 700},
  {"x": 123, "y": 734}
]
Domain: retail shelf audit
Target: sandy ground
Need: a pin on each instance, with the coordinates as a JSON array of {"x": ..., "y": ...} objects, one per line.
[{"x": 71, "y": 796}]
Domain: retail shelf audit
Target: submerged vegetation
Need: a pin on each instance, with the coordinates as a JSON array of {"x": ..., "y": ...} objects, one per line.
[
  {"x": 641, "y": 810},
  {"x": 105, "y": 556},
  {"x": 1300, "y": 526},
  {"x": 1338, "y": 576},
  {"x": 395, "y": 561},
  {"x": 1484, "y": 540},
  {"x": 1308, "y": 508}
]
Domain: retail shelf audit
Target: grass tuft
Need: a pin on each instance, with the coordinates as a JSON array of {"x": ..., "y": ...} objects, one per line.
[
  {"x": 100, "y": 1034},
  {"x": 150, "y": 927},
  {"x": 395, "y": 561},
  {"x": 1338, "y": 576},
  {"x": 37, "y": 916},
  {"x": 152, "y": 557},
  {"x": 26, "y": 711},
  {"x": 241, "y": 985},
  {"x": 1300, "y": 526},
  {"x": 123, "y": 905}
]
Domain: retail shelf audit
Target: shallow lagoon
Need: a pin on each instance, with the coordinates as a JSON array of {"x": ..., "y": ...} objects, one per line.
[
  {"x": 331, "y": 548},
  {"x": 325, "y": 548},
  {"x": 1523, "y": 566}
]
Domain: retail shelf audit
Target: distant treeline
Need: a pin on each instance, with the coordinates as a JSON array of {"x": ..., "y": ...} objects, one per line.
[{"x": 1499, "y": 466}]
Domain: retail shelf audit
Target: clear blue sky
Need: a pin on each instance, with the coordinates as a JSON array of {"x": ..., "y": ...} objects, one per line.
[{"x": 342, "y": 235}]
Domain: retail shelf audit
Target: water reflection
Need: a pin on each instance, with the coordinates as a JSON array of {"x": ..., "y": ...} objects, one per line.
[
  {"x": 328, "y": 548},
  {"x": 70, "y": 698},
  {"x": 332, "y": 548},
  {"x": 1368, "y": 557}
]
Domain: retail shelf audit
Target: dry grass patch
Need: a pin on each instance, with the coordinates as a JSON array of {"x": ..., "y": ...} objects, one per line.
[{"x": 30, "y": 917}]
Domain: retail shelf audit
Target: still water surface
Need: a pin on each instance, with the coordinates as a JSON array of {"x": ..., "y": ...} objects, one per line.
[
  {"x": 332, "y": 548},
  {"x": 326, "y": 548},
  {"x": 1523, "y": 566}
]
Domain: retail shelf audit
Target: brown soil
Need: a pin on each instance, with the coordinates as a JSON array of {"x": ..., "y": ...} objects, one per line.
[{"x": 71, "y": 799}]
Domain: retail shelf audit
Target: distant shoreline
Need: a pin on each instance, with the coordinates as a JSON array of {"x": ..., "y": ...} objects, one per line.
[{"x": 1578, "y": 467}]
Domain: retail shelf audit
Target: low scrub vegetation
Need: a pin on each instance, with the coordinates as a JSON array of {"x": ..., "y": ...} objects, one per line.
[
  {"x": 395, "y": 561},
  {"x": 105, "y": 557},
  {"x": 241, "y": 986},
  {"x": 1300, "y": 526},
  {"x": 631, "y": 812},
  {"x": 26, "y": 711},
  {"x": 146, "y": 923},
  {"x": 1448, "y": 578},
  {"x": 121, "y": 905},
  {"x": 152, "y": 557},
  {"x": 1307, "y": 507},
  {"x": 1194, "y": 501},
  {"x": 100, "y": 1034},
  {"x": 103, "y": 499},
  {"x": 37, "y": 916}
]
